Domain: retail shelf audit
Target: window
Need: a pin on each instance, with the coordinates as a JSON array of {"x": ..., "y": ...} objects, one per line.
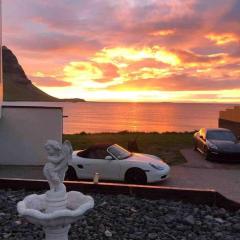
[
  {"x": 221, "y": 135},
  {"x": 98, "y": 153}
]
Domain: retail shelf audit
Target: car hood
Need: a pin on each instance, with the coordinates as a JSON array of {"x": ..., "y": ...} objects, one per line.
[
  {"x": 76, "y": 152},
  {"x": 229, "y": 146},
  {"x": 145, "y": 158}
]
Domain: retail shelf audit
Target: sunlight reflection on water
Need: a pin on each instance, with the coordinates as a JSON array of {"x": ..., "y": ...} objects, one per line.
[{"x": 148, "y": 117}]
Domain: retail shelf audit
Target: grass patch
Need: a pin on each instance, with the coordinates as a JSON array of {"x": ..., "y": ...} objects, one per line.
[{"x": 165, "y": 145}]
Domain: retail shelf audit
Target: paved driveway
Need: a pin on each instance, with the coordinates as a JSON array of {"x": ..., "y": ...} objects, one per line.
[
  {"x": 199, "y": 173},
  {"x": 196, "y": 173}
]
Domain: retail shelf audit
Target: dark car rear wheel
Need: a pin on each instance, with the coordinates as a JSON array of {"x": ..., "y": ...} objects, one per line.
[
  {"x": 207, "y": 154},
  {"x": 136, "y": 176},
  {"x": 195, "y": 147},
  {"x": 71, "y": 174},
  {"x": 195, "y": 144}
]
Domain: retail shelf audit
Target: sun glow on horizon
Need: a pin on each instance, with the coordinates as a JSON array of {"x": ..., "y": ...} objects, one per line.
[{"x": 224, "y": 96}]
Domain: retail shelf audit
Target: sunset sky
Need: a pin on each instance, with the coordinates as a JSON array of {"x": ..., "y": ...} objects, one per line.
[{"x": 128, "y": 50}]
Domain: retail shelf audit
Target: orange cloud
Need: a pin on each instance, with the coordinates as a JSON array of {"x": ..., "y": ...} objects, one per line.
[
  {"x": 88, "y": 74},
  {"x": 82, "y": 71},
  {"x": 122, "y": 56},
  {"x": 163, "y": 32},
  {"x": 177, "y": 83},
  {"x": 222, "y": 39}
]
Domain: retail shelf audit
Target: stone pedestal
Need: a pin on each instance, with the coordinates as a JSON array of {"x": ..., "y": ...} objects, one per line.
[
  {"x": 56, "y": 200},
  {"x": 57, "y": 233}
]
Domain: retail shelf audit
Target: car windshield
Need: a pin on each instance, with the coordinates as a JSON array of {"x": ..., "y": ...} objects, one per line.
[
  {"x": 118, "y": 152},
  {"x": 221, "y": 135}
]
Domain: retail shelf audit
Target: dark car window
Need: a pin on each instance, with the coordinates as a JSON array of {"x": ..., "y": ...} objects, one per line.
[
  {"x": 101, "y": 154},
  {"x": 221, "y": 135},
  {"x": 95, "y": 153},
  {"x": 98, "y": 154}
]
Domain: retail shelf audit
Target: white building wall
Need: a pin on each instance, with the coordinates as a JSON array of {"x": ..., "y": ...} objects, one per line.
[{"x": 25, "y": 130}]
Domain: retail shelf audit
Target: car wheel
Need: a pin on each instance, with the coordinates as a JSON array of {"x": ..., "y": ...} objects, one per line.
[
  {"x": 195, "y": 147},
  {"x": 194, "y": 144},
  {"x": 136, "y": 176},
  {"x": 207, "y": 154},
  {"x": 71, "y": 174}
]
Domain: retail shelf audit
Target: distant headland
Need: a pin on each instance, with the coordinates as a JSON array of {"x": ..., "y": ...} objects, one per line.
[{"x": 16, "y": 85}]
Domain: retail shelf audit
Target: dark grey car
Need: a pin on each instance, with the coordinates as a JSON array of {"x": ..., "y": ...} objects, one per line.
[{"x": 217, "y": 144}]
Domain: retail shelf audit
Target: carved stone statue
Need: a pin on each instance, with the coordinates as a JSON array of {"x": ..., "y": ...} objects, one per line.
[
  {"x": 56, "y": 209},
  {"x": 57, "y": 163}
]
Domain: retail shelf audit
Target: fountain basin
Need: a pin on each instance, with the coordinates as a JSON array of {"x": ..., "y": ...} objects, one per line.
[{"x": 34, "y": 209}]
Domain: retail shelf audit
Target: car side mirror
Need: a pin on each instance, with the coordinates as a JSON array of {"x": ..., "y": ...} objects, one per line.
[{"x": 108, "y": 158}]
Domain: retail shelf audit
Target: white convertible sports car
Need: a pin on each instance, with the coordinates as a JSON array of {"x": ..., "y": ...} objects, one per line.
[{"x": 113, "y": 162}]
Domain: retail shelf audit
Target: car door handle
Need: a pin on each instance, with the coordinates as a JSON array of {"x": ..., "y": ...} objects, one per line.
[{"x": 80, "y": 166}]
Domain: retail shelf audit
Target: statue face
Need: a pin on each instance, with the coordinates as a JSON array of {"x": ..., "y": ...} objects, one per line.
[{"x": 51, "y": 151}]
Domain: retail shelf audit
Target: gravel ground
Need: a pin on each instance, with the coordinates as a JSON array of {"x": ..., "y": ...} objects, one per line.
[{"x": 128, "y": 218}]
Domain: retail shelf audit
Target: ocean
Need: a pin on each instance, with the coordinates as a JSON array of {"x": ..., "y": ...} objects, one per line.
[{"x": 95, "y": 117}]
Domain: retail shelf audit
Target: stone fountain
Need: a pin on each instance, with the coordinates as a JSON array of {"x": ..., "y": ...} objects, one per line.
[{"x": 56, "y": 209}]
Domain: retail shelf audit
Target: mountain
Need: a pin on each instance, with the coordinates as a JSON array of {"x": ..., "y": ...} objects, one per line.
[{"x": 16, "y": 85}]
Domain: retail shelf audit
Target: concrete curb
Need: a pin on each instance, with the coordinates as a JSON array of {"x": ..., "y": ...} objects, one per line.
[{"x": 196, "y": 196}]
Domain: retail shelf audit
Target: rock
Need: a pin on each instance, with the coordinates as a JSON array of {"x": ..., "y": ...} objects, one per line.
[
  {"x": 221, "y": 211},
  {"x": 169, "y": 218},
  {"x": 199, "y": 223},
  {"x": 152, "y": 236},
  {"x": 12, "y": 68},
  {"x": 108, "y": 233},
  {"x": 209, "y": 217},
  {"x": 238, "y": 212},
  {"x": 133, "y": 210},
  {"x": 181, "y": 227},
  {"x": 195, "y": 210},
  {"x": 6, "y": 235},
  {"x": 236, "y": 227},
  {"x": 117, "y": 219},
  {"x": 17, "y": 86},
  {"x": 101, "y": 228},
  {"x": 218, "y": 235},
  {"x": 190, "y": 220},
  {"x": 219, "y": 220}
]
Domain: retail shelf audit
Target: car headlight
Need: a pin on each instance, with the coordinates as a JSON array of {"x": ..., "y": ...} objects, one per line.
[
  {"x": 212, "y": 146},
  {"x": 157, "y": 167}
]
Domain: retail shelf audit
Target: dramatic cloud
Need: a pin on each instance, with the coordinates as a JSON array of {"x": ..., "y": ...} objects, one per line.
[
  {"x": 128, "y": 49},
  {"x": 224, "y": 38},
  {"x": 179, "y": 83},
  {"x": 90, "y": 73}
]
